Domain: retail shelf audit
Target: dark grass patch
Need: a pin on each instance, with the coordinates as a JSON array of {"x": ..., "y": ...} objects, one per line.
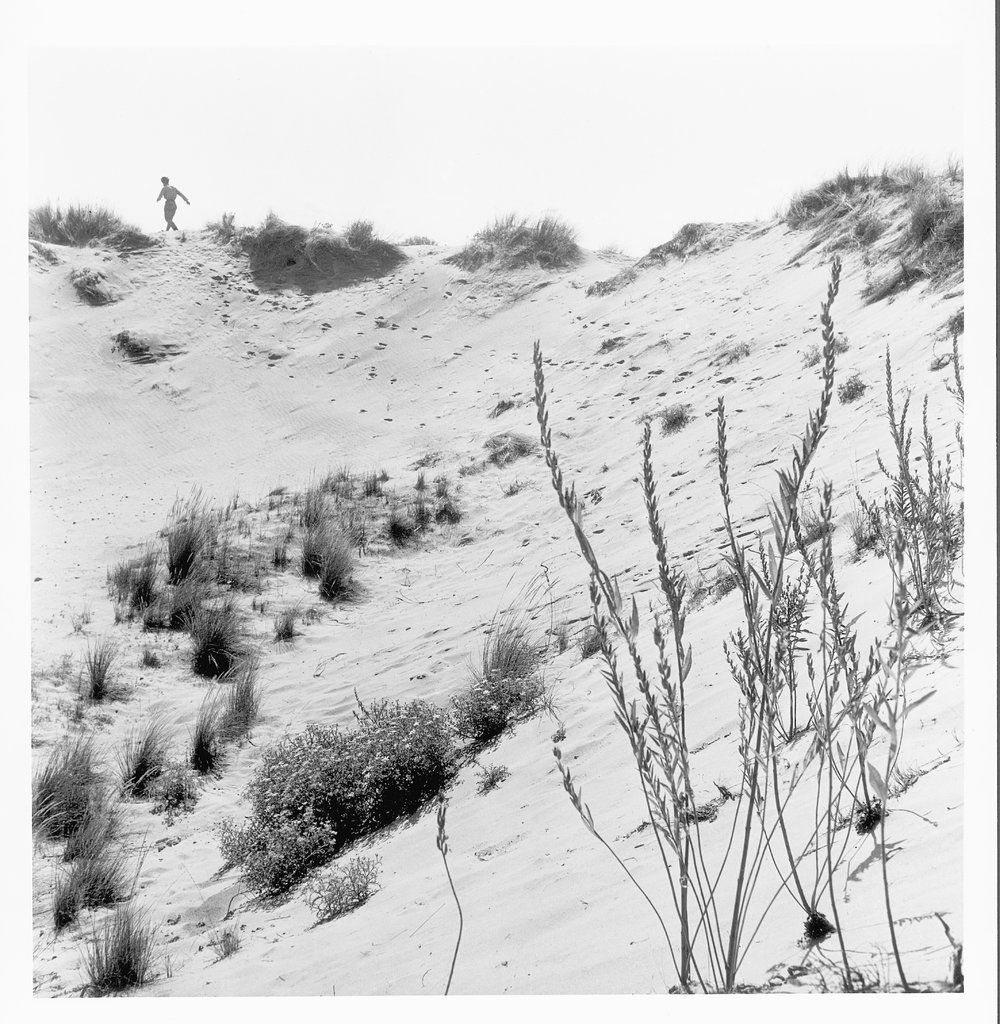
[
  {"x": 189, "y": 536},
  {"x": 284, "y": 626},
  {"x": 93, "y": 286},
  {"x": 217, "y": 638},
  {"x": 205, "y": 749},
  {"x": 422, "y": 514},
  {"x": 100, "y": 880},
  {"x": 64, "y": 788},
  {"x": 441, "y": 487},
  {"x": 897, "y": 280},
  {"x": 241, "y": 704},
  {"x": 96, "y": 683},
  {"x": 142, "y": 758},
  {"x": 76, "y": 225},
  {"x": 119, "y": 955},
  {"x": 132, "y": 584},
  {"x": 178, "y": 605},
  {"x": 96, "y": 829},
  {"x": 817, "y": 927},
  {"x": 400, "y": 529},
  {"x": 149, "y": 659},
  {"x": 421, "y": 484},
  {"x": 448, "y": 511},
  {"x": 867, "y": 818},
  {"x": 336, "y": 573}
]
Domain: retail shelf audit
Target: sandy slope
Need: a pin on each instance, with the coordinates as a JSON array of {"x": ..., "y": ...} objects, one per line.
[{"x": 262, "y": 389}]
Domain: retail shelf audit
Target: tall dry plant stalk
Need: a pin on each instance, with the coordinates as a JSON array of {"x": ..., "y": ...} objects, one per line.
[{"x": 442, "y": 845}]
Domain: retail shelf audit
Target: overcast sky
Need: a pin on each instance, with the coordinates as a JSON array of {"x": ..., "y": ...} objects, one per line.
[{"x": 625, "y": 143}]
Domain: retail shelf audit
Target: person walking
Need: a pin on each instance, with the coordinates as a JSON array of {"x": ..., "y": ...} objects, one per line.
[{"x": 169, "y": 193}]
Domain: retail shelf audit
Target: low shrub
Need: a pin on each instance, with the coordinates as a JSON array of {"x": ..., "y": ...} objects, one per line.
[
  {"x": 119, "y": 956},
  {"x": 64, "y": 788},
  {"x": 851, "y": 389},
  {"x": 590, "y": 644},
  {"x": 142, "y": 758},
  {"x": 93, "y": 286},
  {"x": 490, "y": 776},
  {"x": 674, "y": 418},
  {"x": 508, "y": 447},
  {"x": 344, "y": 888},
  {"x": 314, "y": 792},
  {"x": 217, "y": 638}
]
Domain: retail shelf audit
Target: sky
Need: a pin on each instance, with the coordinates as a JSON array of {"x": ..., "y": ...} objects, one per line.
[{"x": 626, "y": 143}]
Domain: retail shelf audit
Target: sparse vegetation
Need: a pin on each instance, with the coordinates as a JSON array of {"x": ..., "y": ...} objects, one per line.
[
  {"x": 504, "y": 405},
  {"x": 344, "y": 888},
  {"x": 511, "y": 242},
  {"x": 175, "y": 790},
  {"x": 490, "y": 776},
  {"x": 93, "y": 286},
  {"x": 81, "y": 225},
  {"x": 224, "y": 229},
  {"x": 418, "y": 240},
  {"x": 508, "y": 447},
  {"x": 98, "y": 880},
  {"x": 284, "y": 626},
  {"x": 205, "y": 751}
]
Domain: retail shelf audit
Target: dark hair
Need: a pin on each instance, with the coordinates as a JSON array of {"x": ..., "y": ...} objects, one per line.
[{"x": 166, "y": 181}]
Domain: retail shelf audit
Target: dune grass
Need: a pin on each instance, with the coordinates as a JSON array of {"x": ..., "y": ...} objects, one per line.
[
  {"x": 142, "y": 758},
  {"x": 241, "y": 704},
  {"x": 119, "y": 955},
  {"x": 80, "y": 225},
  {"x": 64, "y": 788},
  {"x": 96, "y": 683},
  {"x": 218, "y": 638},
  {"x": 205, "y": 748},
  {"x": 133, "y": 584},
  {"x": 511, "y": 242}
]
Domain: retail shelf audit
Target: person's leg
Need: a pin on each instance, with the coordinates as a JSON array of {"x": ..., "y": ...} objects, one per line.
[{"x": 169, "y": 209}]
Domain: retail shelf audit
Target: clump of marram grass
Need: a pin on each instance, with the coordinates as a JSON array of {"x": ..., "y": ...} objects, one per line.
[
  {"x": 189, "y": 534},
  {"x": 119, "y": 955},
  {"x": 205, "y": 749},
  {"x": 441, "y": 486},
  {"x": 76, "y": 225},
  {"x": 241, "y": 705},
  {"x": 852, "y": 389},
  {"x": 511, "y": 242},
  {"x": 448, "y": 511},
  {"x": 284, "y": 626},
  {"x": 371, "y": 485},
  {"x": 421, "y": 514},
  {"x": 507, "y": 447},
  {"x": 344, "y": 888},
  {"x": 132, "y": 584},
  {"x": 418, "y": 240},
  {"x": 421, "y": 485},
  {"x": 313, "y": 511},
  {"x": 96, "y": 681},
  {"x": 227, "y": 941},
  {"x": 149, "y": 658},
  {"x": 813, "y": 526},
  {"x": 813, "y": 355},
  {"x": 867, "y": 528},
  {"x": 336, "y": 570},
  {"x": 505, "y": 687},
  {"x": 674, "y": 418},
  {"x": 400, "y": 528},
  {"x": 142, "y": 758},
  {"x": 96, "y": 828},
  {"x": 174, "y": 608},
  {"x": 217, "y": 638},
  {"x": 734, "y": 353},
  {"x": 99, "y": 880},
  {"x": 64, "y": 788}
]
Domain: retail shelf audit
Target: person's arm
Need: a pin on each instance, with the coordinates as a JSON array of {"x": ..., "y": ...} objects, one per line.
[
  {"x": 160, "y": 196},
  {"x": 184, "y": 197}
]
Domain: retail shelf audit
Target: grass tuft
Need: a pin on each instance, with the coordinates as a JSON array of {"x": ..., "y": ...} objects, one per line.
[
  {"x": 217, "y": 638},
  {"x": 142, "y": 758},
  {"x": 508, "y": 447},
  {"x": 119, "y": 956},
  {"x": 511, "y": 242},
  {"x": 64, "y": 788}
]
